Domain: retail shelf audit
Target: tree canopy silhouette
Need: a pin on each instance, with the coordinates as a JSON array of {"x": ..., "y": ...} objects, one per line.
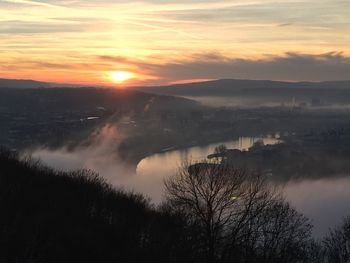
[
  {"x": 240, "y": 217},
  {"x": 53, "y": 216},
  {"x": 212, "y": 212}
]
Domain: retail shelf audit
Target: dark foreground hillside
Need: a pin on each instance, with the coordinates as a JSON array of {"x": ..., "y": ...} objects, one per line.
[
  {"x": 50, "y": 216},
  {"x": 209, "y": 216}
]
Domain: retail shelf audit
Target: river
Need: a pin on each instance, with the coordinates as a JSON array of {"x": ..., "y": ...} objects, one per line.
[{"x": 324, "y": 201}]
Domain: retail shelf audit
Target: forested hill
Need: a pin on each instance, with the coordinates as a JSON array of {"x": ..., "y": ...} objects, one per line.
[
  {"x": 56, "y": 217},
  {"x": 66, "y": 217}
]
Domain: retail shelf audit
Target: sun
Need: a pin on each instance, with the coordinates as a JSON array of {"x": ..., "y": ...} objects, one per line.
[{"x": 121, "y": 76}]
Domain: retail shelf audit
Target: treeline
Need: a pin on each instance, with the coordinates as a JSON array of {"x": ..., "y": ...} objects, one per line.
[{"x": 211, "y": 213}]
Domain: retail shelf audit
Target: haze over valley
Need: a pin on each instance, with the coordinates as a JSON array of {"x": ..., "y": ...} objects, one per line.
[
  {"x": 175, "y": 131},
  {"x": 136, "y": 139}
]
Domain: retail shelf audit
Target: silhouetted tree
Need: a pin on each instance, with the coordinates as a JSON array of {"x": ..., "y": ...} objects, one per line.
[
  {"x": 241, "y": 218},
  {"x": 274, "y": 232},
  {"x": 337, "y": 244},
  {"x": 207, "y": 194},
  {"x": 52, "y": 216},
  {"x": 213, "y": 212},
  {"x": 315, "y": 252}
]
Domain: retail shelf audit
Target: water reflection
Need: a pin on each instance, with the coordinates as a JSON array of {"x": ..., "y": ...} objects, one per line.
[
  {"x": 159, "y": 166},
  {"x": 324, "y": 201},
  {"x": 169, "y": 161}
]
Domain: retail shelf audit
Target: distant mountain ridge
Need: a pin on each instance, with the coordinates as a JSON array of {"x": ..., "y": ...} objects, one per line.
[
  {"x": 22, "y": 83},
  {"x": 226, "y": 87},
  {"x": 256, "y": 93},
  {"x": 28, "y": 83},
  {"x": 205, "y": 88}
]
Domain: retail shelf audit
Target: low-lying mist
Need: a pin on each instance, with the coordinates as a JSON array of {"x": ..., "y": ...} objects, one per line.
[
  {"x": 233, "y": 102},
  {"x": 256, "y": 102},
  {"x": 325, "y": 201},
  {"x": 100, "y": 154}
]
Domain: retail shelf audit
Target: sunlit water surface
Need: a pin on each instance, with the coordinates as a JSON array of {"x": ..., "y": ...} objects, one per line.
[{"x": 325, "y": 201}]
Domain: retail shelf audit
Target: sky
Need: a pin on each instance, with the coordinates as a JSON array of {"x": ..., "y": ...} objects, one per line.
[{"x": 157, "y": 42}]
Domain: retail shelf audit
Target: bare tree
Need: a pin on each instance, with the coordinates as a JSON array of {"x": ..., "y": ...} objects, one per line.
[
  {"x": 337, "y": 244},
  {"x": 218, "y": 197},
  {"x": 238, "y": 212},
  {"x": 276, "y": 233}
]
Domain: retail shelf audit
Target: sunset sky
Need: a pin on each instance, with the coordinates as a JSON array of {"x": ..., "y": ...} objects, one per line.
[{"x": 158, "y": 42}]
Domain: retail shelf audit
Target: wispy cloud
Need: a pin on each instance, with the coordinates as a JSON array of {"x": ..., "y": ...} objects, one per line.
[
  {"x": 290, "y": 67},
  {"x": 23, "y": 27},
  {"x": 34, "y": 3},
  {"x": 159, "y": 38}
]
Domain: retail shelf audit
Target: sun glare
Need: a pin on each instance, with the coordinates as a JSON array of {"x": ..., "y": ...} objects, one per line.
[{"x": 121, "y": 76}]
